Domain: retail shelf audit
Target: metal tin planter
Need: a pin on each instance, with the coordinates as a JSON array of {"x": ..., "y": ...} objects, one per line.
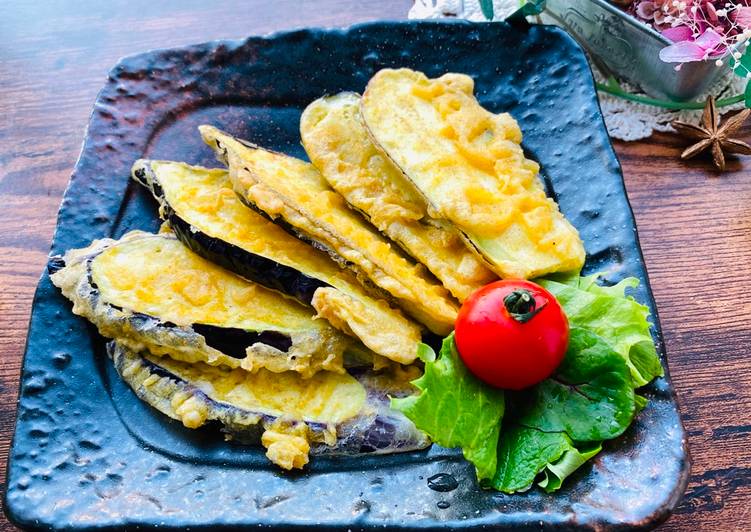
[{"x": 621, "y": 45}]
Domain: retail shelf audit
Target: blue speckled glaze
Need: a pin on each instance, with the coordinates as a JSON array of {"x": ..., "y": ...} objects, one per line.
[{"x": 87, "y": 454}]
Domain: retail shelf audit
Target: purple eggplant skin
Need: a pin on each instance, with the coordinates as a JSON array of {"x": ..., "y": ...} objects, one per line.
[
  {"x": 377, "y": 430},
  {"x": 233, "y": 341},
  {"x": 387, "y": 432},
  {"x": 262, "y": 270}
]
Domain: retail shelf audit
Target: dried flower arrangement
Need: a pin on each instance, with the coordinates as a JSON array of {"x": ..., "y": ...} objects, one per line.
[{"x": 698, "y": 30}]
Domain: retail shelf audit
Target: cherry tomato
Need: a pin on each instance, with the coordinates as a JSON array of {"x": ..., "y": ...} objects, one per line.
[{"x": 512, "y": 334}]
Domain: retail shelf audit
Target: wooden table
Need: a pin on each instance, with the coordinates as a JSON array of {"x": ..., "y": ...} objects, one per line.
[{"x": 695, "y": 225}]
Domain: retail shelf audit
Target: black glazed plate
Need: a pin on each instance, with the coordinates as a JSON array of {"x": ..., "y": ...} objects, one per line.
[{"x": 88, "y": 454}]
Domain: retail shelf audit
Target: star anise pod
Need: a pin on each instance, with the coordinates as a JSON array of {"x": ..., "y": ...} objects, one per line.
[{"x": 712, "y": 135}]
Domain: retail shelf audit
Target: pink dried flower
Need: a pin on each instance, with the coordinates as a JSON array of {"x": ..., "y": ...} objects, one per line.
[
  {"x": 659, "y": 13},
  {"x": 704, "y": 47},
  {"x": 699, "y": 29},
  {"x": 742, "y": 17}
]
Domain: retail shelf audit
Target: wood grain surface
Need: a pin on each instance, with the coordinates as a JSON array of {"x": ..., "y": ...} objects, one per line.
[{"x": 695, "y": 225}]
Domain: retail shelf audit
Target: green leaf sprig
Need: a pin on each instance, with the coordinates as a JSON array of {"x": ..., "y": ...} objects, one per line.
[
  {"x": 614, "y": 88},
  {"x": 487, "y": 9}
]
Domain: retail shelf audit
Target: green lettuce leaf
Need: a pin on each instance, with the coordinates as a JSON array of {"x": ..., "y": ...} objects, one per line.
[
  {"x": 525, "y": 453},
  {"x": 456, "y": 409},
  {"x": 619, "y": 319},
  {"x": 554, "y": 474},
  {"x": 590, "y": 398}
]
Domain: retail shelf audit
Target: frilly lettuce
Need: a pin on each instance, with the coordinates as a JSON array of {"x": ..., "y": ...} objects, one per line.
[
  {"x": 525, "y": 453},
  {"x": 455, "y": 408},
  {"x": 553, "y": 428},
  {"x": 618, "y": 318}
]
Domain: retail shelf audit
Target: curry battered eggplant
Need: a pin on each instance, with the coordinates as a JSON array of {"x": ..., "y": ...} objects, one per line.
[
  {"x": 208, "y": 217},
  {"x": 293, "y": 193},
  {"x": 328, "y": 414},
  {"x": 469, "y": 166},
  {"x": 203, "y": 211},
  {"x": 151, "y": 292},
  {"x": 339, "y": 145}
]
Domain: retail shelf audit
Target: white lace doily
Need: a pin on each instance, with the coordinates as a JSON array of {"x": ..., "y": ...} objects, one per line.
[
  {"x": 624, "y": 119},
  {"x": 469, "y": 9}
]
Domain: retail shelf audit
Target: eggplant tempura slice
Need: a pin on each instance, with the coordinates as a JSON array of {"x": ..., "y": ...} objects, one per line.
[
  {"x": 469, "y": 165},
  {"x": 207, "y": 216},
  {"x": 294, "y": 194},
  {"x": 339, "y": 145},
  {"x": 151, "y": 292},
  {"x": 327, "y": 414}
]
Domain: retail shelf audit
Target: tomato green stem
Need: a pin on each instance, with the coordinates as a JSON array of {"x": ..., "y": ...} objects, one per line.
[{"x": 521, "y": 305}]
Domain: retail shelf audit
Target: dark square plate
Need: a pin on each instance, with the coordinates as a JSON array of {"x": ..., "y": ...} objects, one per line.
[{"x": 88, "y": 454}]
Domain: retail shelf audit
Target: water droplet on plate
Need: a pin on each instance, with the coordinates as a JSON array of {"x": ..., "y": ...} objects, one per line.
[{"x": 442, "y": 482}]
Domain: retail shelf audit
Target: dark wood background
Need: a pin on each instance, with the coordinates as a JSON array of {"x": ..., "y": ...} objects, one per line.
[{"x": 695, "y": 225}]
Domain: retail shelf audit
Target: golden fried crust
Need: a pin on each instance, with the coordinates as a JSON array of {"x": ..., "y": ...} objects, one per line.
[
  {"x": 469, "y": 166},
  {"x": 339, "y": 145},
  {"x": 293, "y": 192}
]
